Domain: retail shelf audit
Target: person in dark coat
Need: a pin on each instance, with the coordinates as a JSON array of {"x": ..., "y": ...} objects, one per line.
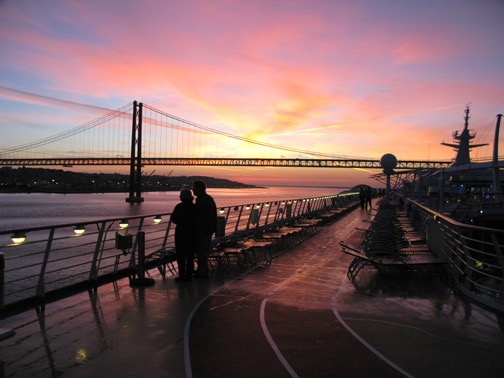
[
  {"x": 362, "y": 197},
  {"x": 206, "y": 211},
  {"x": 369, "y": 197},
  {"x": 185, "y": 219}
]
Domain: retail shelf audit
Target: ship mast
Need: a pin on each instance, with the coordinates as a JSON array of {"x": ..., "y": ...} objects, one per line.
[
  {"x": 463, "y": 142},
  {"x": 496, "y": 178}
]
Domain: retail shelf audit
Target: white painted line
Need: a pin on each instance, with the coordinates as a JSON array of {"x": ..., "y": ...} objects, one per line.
[
  {"x": 272, "y": 342},
  {"x": 262, "y": 317},
  {"x": 364, "y": 342},
  {"x": 187, "y": 326}
]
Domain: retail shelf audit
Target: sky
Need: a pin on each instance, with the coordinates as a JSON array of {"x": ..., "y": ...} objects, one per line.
[{"x": 357, "y": 78}]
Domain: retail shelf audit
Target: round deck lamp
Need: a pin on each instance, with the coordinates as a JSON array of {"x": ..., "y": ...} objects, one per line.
[
  {"x": 124, "y": 223},
  {"x": 18, "y": 237},
  {"x": 221, "y": 211},
  {"x": 247, "y": 207},
  {"x": 157, "y": 219},
  {"x": 79, "y": 230},
  {"x": 388, "y": 162}
]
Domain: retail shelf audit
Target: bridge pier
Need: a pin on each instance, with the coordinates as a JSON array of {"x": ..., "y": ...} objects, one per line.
[{"x": 135, "y": 180}]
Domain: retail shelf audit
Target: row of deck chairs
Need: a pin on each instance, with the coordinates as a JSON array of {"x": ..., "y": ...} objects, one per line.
[
  {"x": 262, "y": 244},
  {"x": 251, "y": 246},
  {"x": 390, "y": 242}
]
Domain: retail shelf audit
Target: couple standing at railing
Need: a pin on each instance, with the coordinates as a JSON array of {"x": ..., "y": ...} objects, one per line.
[{"x": 195, "y": 223}]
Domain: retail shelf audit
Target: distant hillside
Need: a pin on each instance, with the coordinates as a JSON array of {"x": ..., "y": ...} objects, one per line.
[{"x": 16, "y": 180}]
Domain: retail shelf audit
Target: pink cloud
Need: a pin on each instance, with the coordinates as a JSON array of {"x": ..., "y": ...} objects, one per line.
[
  {"x": 426, "y": 49},
  {"x": 346, "y": 78}
]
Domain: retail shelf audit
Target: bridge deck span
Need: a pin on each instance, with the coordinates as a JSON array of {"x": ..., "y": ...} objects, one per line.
[{"x": 264, "y": 162}]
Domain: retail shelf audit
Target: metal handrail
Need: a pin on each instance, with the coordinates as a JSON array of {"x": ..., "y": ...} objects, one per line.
[
  {"x": 54, "y": 258},
  {"x": 474, "y": 254}
]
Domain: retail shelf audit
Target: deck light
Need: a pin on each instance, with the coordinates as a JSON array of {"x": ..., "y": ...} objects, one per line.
[
  {"x": 267, "y": 204},
  {"x": 79, "y": 230},
  {"x": 18, "y": 237},
  {"x": 158, "y": 219},
  {"x": 124, "y": 223},
  {"x": 235, "y": 208},
  {"x": 221, "y": 211},
  {"x": 247, "y": 207},
  {"x": 257, "y": 206}
]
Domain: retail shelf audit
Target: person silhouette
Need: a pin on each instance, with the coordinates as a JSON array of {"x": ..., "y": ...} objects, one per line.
[
  {"x": 206, "y": 212},
  {"x": 362, "y": 197},
  {"x": 185, "y": 220},
  {"x": 369, "y": 197}
]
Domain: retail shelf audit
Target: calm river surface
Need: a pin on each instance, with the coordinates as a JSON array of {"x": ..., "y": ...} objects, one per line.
[{"x": 42, "y": 209}]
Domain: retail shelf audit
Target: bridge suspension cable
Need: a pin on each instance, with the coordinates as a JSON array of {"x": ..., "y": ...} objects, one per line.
[
  {"x": 124, "y": 111},
  {"x": 243, "y": 139}
]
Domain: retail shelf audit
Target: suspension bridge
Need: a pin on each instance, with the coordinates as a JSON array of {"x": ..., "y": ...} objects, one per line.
[{"x": 139, "y": 135}]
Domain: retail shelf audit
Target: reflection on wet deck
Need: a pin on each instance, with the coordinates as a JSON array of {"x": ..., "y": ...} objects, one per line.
[{"x": 298, "y": 315}]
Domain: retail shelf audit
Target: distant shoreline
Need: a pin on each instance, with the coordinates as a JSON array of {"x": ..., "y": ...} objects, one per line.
[
  {"x": 41, "y": 180},
  {"x": 106, "y": 192}
]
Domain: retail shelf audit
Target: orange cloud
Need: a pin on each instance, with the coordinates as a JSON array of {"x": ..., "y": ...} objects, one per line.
[{"x": 339, "y": 77}]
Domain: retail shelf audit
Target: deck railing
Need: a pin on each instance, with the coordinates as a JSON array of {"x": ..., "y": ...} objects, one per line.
[
  {"x": 55, "y": 258},
  {"x": 474, "y": 255}
]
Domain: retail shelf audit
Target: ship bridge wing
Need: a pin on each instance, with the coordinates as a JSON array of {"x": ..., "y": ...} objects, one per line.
[
  {"x": 458, "y": 145},
  {"x": 450, "y": 145},
  {"x": 478, "y": 145}
]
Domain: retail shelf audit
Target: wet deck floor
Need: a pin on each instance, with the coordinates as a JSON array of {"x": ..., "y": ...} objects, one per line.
[{"x": 299, "y": 316}]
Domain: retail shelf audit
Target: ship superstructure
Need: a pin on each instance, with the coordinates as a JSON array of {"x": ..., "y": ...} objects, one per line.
[
  {"x": 472, "y": 192},
  {"x": 463, "y": 144}
]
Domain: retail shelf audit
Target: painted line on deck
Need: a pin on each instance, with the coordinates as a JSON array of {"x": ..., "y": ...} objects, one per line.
[
  {"x": 357, "y": 336},
  {"x": 361, "y": 340},
  {"x": 187, "y": 357},
  {"x": 272, "y": 343},
  {"x": 262, "y": 317},
  {"x": 187, "y": 325}
]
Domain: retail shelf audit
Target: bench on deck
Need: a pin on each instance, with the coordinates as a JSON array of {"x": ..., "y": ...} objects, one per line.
[
  {"x": 410, "y": 259},
  {"x": 390, "y": 242},
  {"x": 162, "y": 259},
  {"x": 239, "y": 252}
]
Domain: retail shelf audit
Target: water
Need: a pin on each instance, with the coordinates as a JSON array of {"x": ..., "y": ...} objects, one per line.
[{"x": 42, "y": 209}]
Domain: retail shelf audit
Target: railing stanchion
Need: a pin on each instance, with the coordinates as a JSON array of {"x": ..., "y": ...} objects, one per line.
[
  {"x": 4, "y": 333},
  {"x": 141, "y": 280},
  {"x": 41, "y": 281},
  {"x": 2, "y": 280}
]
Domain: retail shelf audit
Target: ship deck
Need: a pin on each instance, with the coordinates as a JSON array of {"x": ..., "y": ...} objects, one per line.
[{"x": 296, "y": 316}]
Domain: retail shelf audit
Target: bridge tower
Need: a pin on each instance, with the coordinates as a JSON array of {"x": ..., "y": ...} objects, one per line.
[{"x": 135, "y": 180}]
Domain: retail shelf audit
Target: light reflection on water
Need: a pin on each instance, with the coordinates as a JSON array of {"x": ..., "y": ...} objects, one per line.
[{"x": 43, "y": 209}]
